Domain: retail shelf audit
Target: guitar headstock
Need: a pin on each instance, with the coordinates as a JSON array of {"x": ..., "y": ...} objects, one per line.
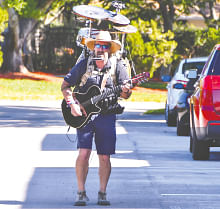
[{"x": 140, "y": 78}]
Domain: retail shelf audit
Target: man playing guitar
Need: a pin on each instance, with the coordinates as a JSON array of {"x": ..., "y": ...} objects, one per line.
[{"x": 101, "y": 126}]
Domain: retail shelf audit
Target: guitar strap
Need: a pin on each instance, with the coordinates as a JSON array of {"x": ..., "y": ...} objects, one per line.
[
  {"x": 104, "y": 80},
  {"x": 89, "y": 70}
]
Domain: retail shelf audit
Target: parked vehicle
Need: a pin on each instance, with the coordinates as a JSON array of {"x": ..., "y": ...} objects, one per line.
[
  {"x": 205, "y": 109},
  {"x": 182, "y": 107},
  {"x": 174, "y": 94}
]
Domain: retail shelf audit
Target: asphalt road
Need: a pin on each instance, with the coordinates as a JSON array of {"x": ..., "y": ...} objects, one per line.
[{"x": 151, "y": 169}]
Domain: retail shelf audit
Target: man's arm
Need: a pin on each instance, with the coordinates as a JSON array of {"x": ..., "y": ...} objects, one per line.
[
  {"x": 126, "y": 91},
  {"x": 76, "y": 110},
  {"x": 122, "y": 78}
]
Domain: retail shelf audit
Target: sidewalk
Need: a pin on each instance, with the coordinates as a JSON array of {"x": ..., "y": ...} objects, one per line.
[
  {"x": 57, "y": 104},
  {"x": 142, "y": 106}
]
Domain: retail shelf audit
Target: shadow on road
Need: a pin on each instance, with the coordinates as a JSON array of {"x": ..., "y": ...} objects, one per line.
[
  {"x": 30, "y": 116},
  {"x": 55, "y": 187},
  {"x": 145, "y": 139}
]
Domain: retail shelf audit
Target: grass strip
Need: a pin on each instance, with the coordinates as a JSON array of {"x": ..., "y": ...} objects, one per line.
[
  {"x": 156, "y": 111},
  {"x": 24, "y": 89}
]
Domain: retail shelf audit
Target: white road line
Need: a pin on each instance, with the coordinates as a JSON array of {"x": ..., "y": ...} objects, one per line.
[
  {"x": 142, "y": 121},
  {"x": 210, "y": 195}
]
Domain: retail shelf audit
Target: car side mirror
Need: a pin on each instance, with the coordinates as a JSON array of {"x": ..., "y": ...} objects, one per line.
[
  {"x": 191, "y": 74},
  {"x": 178, "y": 86}
]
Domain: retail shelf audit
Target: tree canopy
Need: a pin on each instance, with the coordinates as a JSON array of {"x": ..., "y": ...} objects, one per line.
[
  {"x": 23, "y": 18},
  {"x": 158, "y": 42}
]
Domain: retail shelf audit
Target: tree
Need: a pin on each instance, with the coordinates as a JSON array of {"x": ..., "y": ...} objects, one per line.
[
  {"x": 205, "y": 40},
  {"x": 163, "y": 11},
  {"x": 3, "y": 26},
  {"x": 24, "y": 17},
  {"x": 167, "y": 10},
  {"x": 150, "y": 47},
  {"x": 205, "y": 8}
]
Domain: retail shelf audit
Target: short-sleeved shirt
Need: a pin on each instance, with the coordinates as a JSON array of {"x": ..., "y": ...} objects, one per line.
[
  {"x": 76, "y": 73},
  {"x": 102, "y": 127}
]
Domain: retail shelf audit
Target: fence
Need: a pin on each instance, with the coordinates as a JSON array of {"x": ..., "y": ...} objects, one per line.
[{"x": 55, "y": 49}]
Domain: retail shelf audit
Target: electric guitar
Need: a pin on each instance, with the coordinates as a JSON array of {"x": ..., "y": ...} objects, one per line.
[{"x": 89, "y": 101}]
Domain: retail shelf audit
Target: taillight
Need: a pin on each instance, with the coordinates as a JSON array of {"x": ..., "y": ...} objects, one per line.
[{"x": 206, "y": 93}]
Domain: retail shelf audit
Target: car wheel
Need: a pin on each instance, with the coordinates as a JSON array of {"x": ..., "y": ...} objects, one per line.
[
  {"x": 200, "y": 149},
  {"x": 181, "y": 129},
  {"x": 170, "y": 119}
]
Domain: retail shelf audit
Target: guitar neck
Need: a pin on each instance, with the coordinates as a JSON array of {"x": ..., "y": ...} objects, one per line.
[{"x": 116, "y": 91}]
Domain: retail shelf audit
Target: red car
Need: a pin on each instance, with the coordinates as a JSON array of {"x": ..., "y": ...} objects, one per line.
[{"x": 205, "y": 109}]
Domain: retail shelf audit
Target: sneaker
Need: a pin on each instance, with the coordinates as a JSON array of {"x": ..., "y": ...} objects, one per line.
[
  {"x": 81, "y": 199},
  {"x": 102, "y": 199}
]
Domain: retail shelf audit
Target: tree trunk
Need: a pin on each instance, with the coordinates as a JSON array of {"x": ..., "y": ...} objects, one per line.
[
  {"x": 15, "y": 43},
  {"x": 167, "y": 11},
  {"x": 27, "y": 27}
]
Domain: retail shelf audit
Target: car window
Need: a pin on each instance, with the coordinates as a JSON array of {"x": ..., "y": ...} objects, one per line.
[
  {"x": 194, "y": 65},
  {"x": 216, "y": 64},
  {"x": 206, "y": 67}
]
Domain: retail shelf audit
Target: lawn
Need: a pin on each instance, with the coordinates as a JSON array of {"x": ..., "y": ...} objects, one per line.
[
  {"x": 27, "y": 89},
  {"x": 23, "y": 89}
]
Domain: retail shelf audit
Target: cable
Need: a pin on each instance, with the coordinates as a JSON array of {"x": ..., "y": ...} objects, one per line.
[{"x": 68, "y": 137}]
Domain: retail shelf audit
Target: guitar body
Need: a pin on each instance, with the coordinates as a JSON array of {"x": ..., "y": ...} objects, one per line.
[
  {"x": 89, "y": 101},
  {"x": 85, "y": 100}
]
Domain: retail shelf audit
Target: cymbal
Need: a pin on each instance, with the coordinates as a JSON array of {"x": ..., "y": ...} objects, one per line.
[
  {"x": 118, "y": 18},
  {"x": 91, "y": 12},
  {"x": 126, "y": 29}
]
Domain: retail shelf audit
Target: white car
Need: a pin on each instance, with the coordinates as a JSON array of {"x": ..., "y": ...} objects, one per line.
[{"x": 173, "y": 94}]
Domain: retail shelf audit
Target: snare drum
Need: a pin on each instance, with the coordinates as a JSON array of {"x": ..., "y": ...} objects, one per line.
[{"x": 85, "y": 33}]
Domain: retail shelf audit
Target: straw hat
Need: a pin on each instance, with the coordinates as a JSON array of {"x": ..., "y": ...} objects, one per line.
[{"x": 105, "y": 37}]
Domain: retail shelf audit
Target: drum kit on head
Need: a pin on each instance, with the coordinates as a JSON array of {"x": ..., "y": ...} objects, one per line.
[
  {"x": 97, "y": 19},
  {"x": 114, "y": 22}
]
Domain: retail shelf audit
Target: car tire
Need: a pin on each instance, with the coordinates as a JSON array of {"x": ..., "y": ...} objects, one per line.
[
  {"x": 181, "y": 130},
  {"x": 170, "y": 119},
  {"x": 200, "y": 149}
]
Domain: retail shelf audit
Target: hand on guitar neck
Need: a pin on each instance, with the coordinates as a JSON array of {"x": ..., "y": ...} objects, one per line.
[{"x": 126, "y": 92}]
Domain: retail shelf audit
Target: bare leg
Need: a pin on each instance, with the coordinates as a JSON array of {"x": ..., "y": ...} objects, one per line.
[
  {"x": 82, "y": 166},
  {"x": 104, "y": 171}
]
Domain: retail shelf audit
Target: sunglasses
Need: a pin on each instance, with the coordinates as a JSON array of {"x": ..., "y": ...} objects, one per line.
[{"x": 98, "y": 46}]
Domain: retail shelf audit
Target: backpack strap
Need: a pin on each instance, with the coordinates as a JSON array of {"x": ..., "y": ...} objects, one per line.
[
  {"x": 88, "y": 73},
  {"x": 104, "y": 80},
  {"x": 113, "y": 60},
  {"x": 90, "y": 69}
]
